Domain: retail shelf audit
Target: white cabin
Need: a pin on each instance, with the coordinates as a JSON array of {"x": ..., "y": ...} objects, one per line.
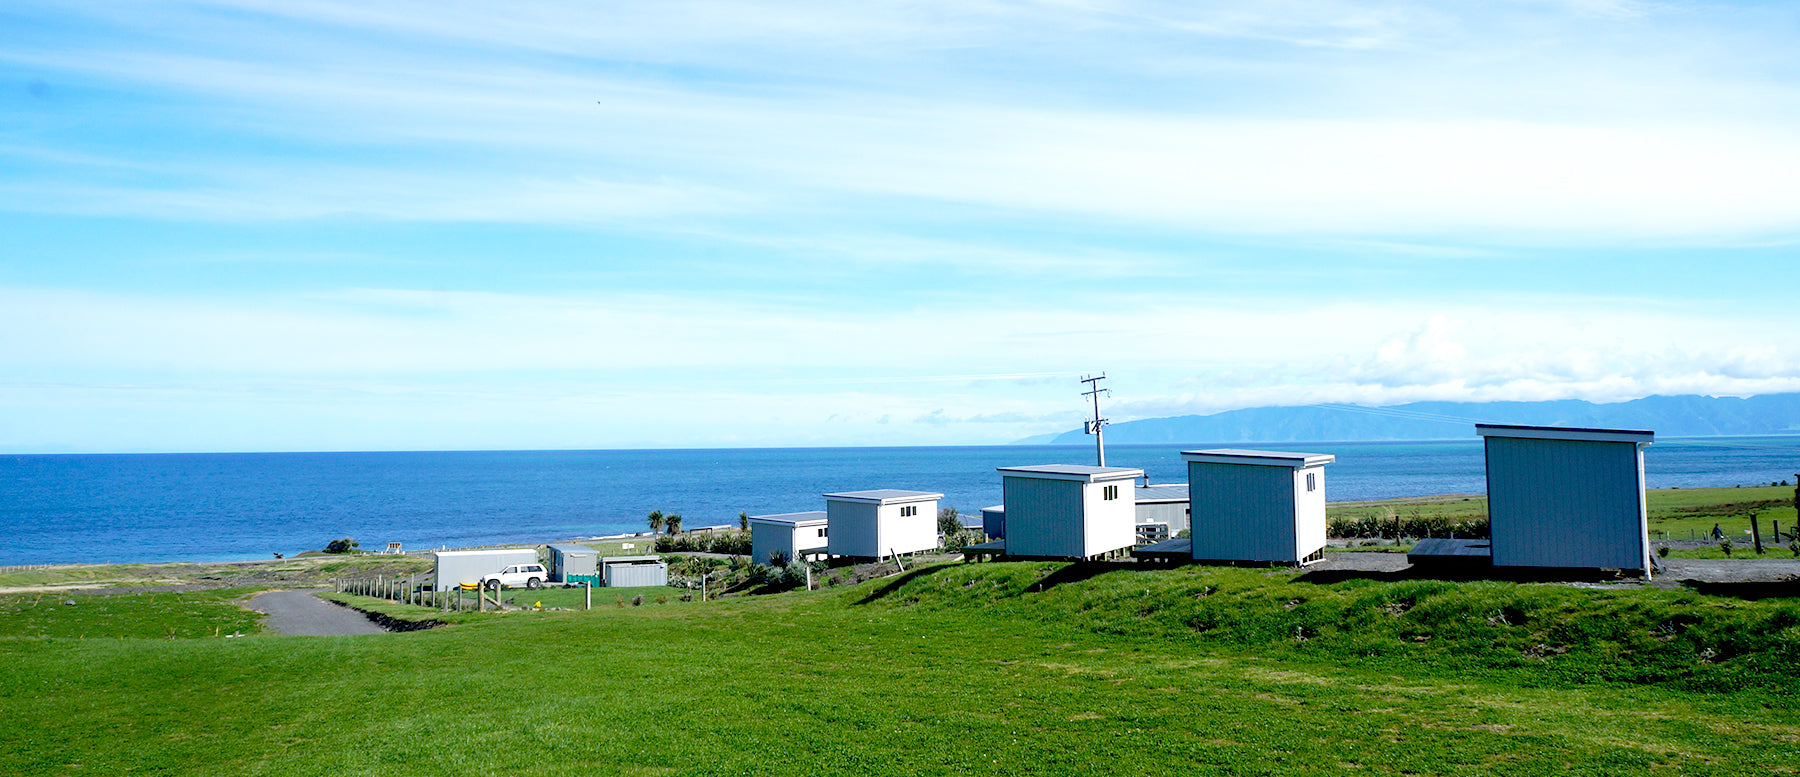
[
  {"x": 881, "y": 523},
  {"x": 1257, "y": 506},
  {"x": 1069, "y": 510}
]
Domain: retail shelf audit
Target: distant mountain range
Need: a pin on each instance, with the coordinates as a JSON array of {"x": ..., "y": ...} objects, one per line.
[{"x": 1679, "y": 416}]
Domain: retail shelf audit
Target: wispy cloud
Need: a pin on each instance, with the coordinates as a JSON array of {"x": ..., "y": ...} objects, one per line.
[{"x": 890, "y": 222}]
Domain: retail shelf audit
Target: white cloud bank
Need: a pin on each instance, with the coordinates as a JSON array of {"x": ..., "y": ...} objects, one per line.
[{"x": 459, "y": 370}]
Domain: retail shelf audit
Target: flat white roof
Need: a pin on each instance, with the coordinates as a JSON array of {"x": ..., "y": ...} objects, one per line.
[
  {"x": 1565, "y": 433},
  {"x": 1259, "y": 458},
  {"x": 566, "y": 548},
  {"x": 485, "y": 552},
  {"x": 883, "y": 496},
  {"x": 1081, "y": 472},
  {"x": 791, "y": 519}
]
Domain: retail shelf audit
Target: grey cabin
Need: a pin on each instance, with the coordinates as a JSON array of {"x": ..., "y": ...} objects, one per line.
[
  {"x": 1567, "y": 497},
  {"x": 789, "y": 535},
  {"x": 1257, "y": 506},
  {"x": 1068, "y": 510}
]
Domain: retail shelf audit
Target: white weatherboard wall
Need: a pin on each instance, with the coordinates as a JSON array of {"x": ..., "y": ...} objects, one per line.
[
  {"x": 455, "y": 567},
  {"x": 1565, "y": 497},
  {"x": 1256, "y": 506},
  {"x": 1062, "y": 510},
  {"x": 793, "y": 535},
  {"x": 874, "y": 524}
]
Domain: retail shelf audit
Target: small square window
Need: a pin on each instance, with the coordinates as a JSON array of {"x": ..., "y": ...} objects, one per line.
[{"x": 1311, "y": 484}]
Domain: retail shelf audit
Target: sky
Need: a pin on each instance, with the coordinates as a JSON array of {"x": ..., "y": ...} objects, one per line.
[{"x": 318, "y": 225}]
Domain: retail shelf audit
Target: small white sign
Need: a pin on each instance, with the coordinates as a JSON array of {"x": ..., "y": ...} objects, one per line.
[{"x": 626, "y": 546}]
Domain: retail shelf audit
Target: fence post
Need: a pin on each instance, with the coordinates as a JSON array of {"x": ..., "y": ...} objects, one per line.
[{"x": 587, "y": 591}]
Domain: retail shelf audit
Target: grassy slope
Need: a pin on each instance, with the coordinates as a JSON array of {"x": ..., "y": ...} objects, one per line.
[{"x": 965, "y": 668}]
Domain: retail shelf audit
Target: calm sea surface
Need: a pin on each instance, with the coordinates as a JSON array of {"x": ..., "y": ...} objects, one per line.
[{"x": 205, "y": 507}]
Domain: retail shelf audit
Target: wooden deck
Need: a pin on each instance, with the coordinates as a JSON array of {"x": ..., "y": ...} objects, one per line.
[{"x": 1437, "y": 551}]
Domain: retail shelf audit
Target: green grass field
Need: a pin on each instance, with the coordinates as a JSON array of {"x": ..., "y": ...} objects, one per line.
[{"x": 993, "y": 668}]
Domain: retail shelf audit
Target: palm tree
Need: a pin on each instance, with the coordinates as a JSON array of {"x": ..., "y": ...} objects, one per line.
[
  {"x": 673, "y": 521},
  {"x": 656, "y": 521}
]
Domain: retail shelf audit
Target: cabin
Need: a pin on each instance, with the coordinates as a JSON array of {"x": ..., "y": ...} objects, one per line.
[
  {"x": 571, "y": 564},
  {"x": 788, "y": 536},
  {"x": 1251, "y": 506},
  {"x": 1068, "y": 511},
  {"x": 881, "y": 523},
  {"x": 1162, "y": 510},
  {"x": 633, "y": 571},
  {"x": 1569, "y": 498},
  {"x": 993, "y": 521}
]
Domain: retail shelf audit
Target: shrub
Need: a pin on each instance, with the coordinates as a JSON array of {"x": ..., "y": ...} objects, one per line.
[
  {"x": 962, "y": 538},
  {"x": 732, "y": 543},
  {"x": 1663, "y": 551},
  {"x": 1389, "y": 525},
  {"x": 948, "y": 523},
  {"x": 1725, "y": 547},
  {"x": 344, "y": 545},
  {"x": 637, "y": 601}
]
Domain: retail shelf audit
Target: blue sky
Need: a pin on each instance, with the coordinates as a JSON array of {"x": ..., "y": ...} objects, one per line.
[{"x": 303, "y": 225}]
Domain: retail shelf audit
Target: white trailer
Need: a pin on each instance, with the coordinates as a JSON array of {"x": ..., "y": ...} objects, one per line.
[{"x": 455, "y": 567}]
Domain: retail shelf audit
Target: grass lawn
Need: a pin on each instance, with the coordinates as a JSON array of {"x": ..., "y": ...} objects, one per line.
[
  {"x": 993, "y": 668},
  {"x": 1685, "y": 512}
]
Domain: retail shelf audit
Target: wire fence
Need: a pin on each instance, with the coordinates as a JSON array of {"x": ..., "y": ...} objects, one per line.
[
  {"x": 421, "y": 591},
  {"x": 30, "y": 567}
]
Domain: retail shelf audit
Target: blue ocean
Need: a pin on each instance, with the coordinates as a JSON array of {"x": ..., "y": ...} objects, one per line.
[{"x": 211, "y": 507}]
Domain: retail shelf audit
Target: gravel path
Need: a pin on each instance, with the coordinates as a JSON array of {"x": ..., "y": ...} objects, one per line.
[{"x": 299, "y": 612}]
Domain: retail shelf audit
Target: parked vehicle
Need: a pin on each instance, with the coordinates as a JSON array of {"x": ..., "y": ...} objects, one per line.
[{"x": 527, "y": 575}]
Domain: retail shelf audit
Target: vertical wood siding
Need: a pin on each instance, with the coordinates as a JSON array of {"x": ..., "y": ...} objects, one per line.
[
  {"x": 1243, "y": 512},
  {"x": 1565, "y": 503}
]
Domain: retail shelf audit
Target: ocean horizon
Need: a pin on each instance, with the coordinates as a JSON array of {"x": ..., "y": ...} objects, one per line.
[{"x": 159, "y": 507}]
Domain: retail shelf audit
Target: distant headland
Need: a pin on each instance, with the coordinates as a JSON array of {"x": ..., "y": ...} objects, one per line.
[{"x": 1668, "y": 416}]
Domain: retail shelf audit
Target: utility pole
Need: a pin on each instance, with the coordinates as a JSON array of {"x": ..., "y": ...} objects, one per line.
[{"x": 1094, "y": 426}]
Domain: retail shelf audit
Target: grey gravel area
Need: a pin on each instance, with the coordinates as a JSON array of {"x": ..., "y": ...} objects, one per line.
[
  {"x": 1361, "y": 562},
  {"x": 302, "y": 613},
  {"x": 1735, "y": 570}
]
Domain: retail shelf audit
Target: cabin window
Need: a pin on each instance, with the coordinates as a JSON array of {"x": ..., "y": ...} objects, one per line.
[
  {"x": 1311, "y": 483},
  {"x": 821, "y": 532},
  {"x": 1109, "y": 492}
]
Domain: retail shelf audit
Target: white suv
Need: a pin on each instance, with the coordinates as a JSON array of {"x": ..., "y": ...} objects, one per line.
[{"x": 528, "y": 575}]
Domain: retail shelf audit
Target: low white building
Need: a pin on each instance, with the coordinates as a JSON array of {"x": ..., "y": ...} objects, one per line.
[
  {"x": 1069, "y": 510},
  {"x": 456, "y": 567},
  {"x": 1257, "y": 506},
  {"x": 881, "y": 523},
  {"x": 1567, "y": 497},
  {"x": 1162, "y": 510},
  {"x": 791, "y": 535}
]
